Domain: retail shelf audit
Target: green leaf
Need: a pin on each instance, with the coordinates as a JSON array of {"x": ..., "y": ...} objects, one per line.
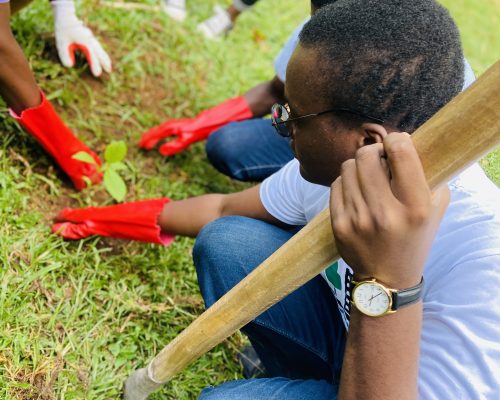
[
  {"x": 117, "y": 166},
  {"x": 84, "y": 156},
  {"x": 115, "y": 185},
  {"x": 115, "y": 151}
]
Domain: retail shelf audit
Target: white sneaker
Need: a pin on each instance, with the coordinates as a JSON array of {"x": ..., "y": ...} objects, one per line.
[
  {"x": 217, "y": 25},
  {"x": 176, "y": 9}
]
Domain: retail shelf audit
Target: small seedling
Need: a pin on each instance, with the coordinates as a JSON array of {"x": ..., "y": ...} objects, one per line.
[{"x": 113, "y": 162}]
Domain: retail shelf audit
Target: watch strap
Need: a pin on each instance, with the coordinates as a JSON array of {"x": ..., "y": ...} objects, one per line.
[{"x": 406, "y": 297}]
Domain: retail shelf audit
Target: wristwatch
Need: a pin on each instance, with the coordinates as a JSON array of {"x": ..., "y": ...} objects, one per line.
[{"x": 374, "y": 299}]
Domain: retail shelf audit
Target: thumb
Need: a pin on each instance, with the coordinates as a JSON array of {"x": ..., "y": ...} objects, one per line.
[
  {"x": 173, "y": 147},
  {"x": 150, "y": 138},
  {"x": 59, "y": 228},
  {"x": 72, "y": 231},
  {"x": 172, "y": 127}
]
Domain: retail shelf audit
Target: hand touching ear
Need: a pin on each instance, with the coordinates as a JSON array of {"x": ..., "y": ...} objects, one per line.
[{"x": 384, "y": 216}]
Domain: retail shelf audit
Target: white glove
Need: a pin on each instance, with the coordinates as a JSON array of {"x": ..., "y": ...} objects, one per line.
[{"x": 72, "y": 35}]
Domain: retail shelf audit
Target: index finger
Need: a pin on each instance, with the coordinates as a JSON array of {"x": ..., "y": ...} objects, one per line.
[
  {"x": 103, "y": 57},
  {"x": 408, "y": 181},
  {"x": 373, "y": 175},
  {"x": 93, "y": 61}
]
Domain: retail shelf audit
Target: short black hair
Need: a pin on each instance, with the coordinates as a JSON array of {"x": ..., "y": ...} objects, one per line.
[
  {"x": 320, "y": 3},
  {"x": 398, "y": 60}
]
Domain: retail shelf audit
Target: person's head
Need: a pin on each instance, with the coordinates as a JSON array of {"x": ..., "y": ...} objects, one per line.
[
  {"x": 317, "y": 4},
  {"x": 399, "y": 61}
]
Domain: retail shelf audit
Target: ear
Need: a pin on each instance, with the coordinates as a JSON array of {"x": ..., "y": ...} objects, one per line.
[{"x": 372, "y": 133}]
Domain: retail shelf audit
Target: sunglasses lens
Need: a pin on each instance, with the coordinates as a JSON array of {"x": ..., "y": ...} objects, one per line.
[
  {"x": 276, "y": 113},
  {"x": 279, "y": 116},
  {"x": 279, "y": 113},
  {"x": 283, "y": 131}
]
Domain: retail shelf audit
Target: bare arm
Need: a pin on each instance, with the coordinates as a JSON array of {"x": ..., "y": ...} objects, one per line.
[
  {"x": 261, "y": 97},
  {"x": 16, "y": 5},
  {"x": 381, "y": 356},
  {"x": 140, "y": 220},
  {"x": 384, "y": 219},
  {"x": 17, "y": 84},
  {"x": 187, "y": 217}
]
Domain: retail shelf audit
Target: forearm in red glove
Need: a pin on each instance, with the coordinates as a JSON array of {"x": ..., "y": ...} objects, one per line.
[
  {"x": 188, "y": 131},
  {"x": 43, "y": 123},
  {"x": 133, "y": 221}
]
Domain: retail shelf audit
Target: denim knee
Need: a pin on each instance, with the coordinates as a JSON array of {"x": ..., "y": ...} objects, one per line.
[
  {"x": 271, "y": 389},
  {"x": 224, "y": 149},
  {"x": 212, "y": 258},
  {"x": 229, "y": 248}
]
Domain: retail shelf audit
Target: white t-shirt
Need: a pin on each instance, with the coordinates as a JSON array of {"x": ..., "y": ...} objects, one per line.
[
  {"x": 281, "y": 60},
  {"x": 460, "y": 342}
]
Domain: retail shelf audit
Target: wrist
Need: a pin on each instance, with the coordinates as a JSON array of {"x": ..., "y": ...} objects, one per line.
[
  {"x": 399, "y": 281},
  {"x": 64, "y": 13},
  {"x": 359, "y": 319},
  {"x": 375, "y": 299}
]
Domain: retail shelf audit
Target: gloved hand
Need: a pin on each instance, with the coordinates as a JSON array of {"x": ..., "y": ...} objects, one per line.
[
  {"x": 191, "y": 130},
  {"x": 72, "y": 35},
  {"x": 133, "y": 221},
  {"x": 44, "y": 124}
]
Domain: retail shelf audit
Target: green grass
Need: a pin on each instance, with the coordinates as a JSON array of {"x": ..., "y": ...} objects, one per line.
[
  {"x": 478, "y": 23},
  {"x": 77, "y": 318}
]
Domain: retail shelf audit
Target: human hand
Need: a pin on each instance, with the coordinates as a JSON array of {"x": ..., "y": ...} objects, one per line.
[
  {"x": 384, "y": 216},
  {"x": 43, "y": 123},
  {"x": 72, "y": 35},
  {"x": 82, "y": 174},
  {"x": 136, "y": 220},
  {"x": 190, "y": 130},
  {"x": 171, "y": 128}
]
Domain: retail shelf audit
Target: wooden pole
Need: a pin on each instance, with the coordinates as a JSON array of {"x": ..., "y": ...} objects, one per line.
[{"x": 459, "y": 134}]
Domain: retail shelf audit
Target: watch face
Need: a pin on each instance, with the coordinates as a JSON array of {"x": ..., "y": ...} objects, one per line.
[{"x": 371, "y": 299}]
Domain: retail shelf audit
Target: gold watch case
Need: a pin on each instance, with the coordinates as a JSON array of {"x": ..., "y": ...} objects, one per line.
[{"x": 360, "y": 297}]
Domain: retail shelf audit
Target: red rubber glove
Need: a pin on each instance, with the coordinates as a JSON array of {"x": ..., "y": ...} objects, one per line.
[
  {"x": 189, "y": 131},
  {"x": 133, "y": 221},
  {"x": 44, "y": 124}
]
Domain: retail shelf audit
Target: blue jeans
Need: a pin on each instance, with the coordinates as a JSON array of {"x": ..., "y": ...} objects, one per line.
[
  {"x": 300, "y": 340},
  {"x": 249, "y": 150}
]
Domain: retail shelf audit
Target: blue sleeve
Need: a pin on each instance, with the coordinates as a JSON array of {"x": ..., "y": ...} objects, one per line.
[{"x": 281, "y": 61}]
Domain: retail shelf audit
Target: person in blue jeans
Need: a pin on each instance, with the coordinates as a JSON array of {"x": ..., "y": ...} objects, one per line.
[
  {"x": 241, "y": 142},
  {"x": 364, "y": 73},
  {"x": 248, "y": 150}
]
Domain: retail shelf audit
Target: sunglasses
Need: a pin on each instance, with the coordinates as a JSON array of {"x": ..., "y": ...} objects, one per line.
[{"x": 280, "y": 117}]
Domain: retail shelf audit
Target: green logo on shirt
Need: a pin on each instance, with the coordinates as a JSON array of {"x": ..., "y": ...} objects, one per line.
[{"x": 332, "y": 273}]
